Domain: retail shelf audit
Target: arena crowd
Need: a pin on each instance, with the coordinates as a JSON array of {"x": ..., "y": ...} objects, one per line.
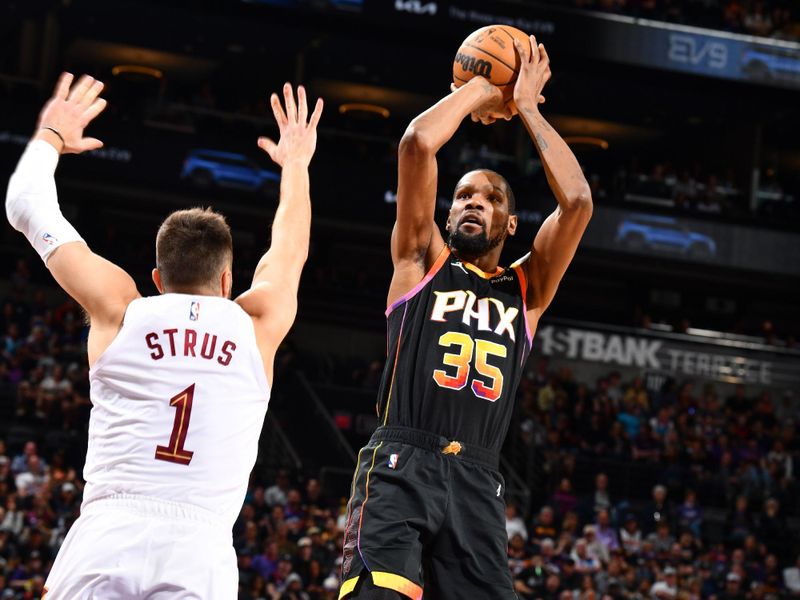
[{"x": 717, "y": 524}]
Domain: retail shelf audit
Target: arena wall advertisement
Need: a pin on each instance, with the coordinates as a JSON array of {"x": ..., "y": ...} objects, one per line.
[
  {"x": 616, "y": 38},
  {"x": 694, "y": 240},
  {"x": 670, "y": 354}
]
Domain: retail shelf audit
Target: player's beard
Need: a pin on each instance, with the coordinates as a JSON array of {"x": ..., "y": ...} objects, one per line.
[{"x": 474, "y": 245}]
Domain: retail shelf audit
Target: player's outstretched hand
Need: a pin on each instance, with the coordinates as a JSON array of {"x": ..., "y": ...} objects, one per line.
[
  {"x": 298, "y": 132},
  {"x": 534, "y": 73},
  {"x": 70, "y": 111}
]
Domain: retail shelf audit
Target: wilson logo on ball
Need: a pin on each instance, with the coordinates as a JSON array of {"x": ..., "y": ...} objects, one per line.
[{"x": 476, "y": 66}]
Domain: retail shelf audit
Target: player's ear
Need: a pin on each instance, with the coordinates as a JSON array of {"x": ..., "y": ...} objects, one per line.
[
  {"x": 512, "y": 224},
  {"x": 226, "y": 283},
  {"x": 157, "y": 280}
]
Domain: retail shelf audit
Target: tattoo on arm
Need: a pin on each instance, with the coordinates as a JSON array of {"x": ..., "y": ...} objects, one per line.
[
  {"x": 487, "y": 87},
  {"x": 532, "y": 120}
]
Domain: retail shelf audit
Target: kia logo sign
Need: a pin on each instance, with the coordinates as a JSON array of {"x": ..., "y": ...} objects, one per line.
[{"x": 416, "y": 7}]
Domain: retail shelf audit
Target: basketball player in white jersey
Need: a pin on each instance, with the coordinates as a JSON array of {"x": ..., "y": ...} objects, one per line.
[{"x": 179, "y": 382}]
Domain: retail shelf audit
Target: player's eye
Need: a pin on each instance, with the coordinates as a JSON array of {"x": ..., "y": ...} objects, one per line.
[{"x": 463, "y": 195}]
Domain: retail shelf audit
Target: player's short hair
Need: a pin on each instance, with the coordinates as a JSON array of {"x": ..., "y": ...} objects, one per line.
[
  {"x": 512, "y": 202},
  {"x": 193, "y": 247}
]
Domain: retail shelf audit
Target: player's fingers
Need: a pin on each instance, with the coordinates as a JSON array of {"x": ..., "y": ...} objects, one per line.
[
  {"x": 302, "y": 105},
  {"x": 547, "y": 75},
  {"x": 92, "y": 93},
  {"x": 522, "y": 51},
  {"x": 291, "y": 107},
  {"x": 62, "y": 87},
  {"x": 265, "y": 143},
  {"x": 94, "y": 109},
  {"x": 277, "y": 110},
  {"x": 268, "y": 146},
  {"x": 79, "y": 90},
  {"x": 542, "y": 99},
  {"x": 88, "y": 144},
  {"x": 543, "y": 53},
  {"x": 474, "y": 117},
  {"x": 453, "y": 87},
  {"x": 534, "y": 50},
  {"x": 316, "y": 114}
]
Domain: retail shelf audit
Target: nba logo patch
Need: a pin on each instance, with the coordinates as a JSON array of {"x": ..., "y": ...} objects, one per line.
[
  {"x": 392, "y": 461},
  {"x": 194, "y": 311},
  {"x": 49, "y": 238}
]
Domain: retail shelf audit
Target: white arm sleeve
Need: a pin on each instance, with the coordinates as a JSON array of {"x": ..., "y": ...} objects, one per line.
[{"x": 32, "y": 201}]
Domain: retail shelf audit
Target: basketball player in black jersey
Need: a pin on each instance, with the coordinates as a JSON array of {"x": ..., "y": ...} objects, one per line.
[{"x": 427, "y": 508}]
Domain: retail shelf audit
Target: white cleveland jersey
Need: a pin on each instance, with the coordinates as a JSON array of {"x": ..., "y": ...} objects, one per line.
[{"x": 178, "y": 403}]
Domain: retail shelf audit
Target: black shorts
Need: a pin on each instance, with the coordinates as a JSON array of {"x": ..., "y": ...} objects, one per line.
[{"x": 426, "y": 512}]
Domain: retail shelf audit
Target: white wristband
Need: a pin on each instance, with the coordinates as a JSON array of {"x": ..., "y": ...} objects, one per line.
[{"x": 32, "y": 201}]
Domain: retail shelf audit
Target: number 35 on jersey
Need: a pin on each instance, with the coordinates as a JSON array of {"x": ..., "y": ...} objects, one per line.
[{"x": 472, "y": 353}]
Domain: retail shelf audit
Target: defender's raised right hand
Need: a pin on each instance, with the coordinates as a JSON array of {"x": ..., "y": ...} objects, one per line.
[{"x": 298, "y": 133}]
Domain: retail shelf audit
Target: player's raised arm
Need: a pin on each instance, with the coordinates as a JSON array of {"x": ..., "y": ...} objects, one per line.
[
  {"x": 558, "y": 237},
  {"x": 416, "y": 241},
  {"x": 272, "y": 298},
  {"x": 103, "y": 289}
]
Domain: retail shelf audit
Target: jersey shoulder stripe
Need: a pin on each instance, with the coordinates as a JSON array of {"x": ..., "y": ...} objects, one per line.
[{"x": 440, "y": 260}]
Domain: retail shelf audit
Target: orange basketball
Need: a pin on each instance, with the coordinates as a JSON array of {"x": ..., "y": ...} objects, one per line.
[{"x": 490, "y": 52}]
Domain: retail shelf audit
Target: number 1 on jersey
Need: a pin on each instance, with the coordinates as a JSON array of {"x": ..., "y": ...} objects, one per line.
[{"x": 175, "y": 452}]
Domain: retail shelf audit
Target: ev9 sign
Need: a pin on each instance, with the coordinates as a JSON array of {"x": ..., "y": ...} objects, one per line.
[{"x": 697, "y": 51}]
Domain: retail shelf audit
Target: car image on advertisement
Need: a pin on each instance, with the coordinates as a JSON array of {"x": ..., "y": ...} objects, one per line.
[
  {"x": 207, "y": 168},
  {"x": 663, "y": 234},
  {"x": 763, "y": 63}
]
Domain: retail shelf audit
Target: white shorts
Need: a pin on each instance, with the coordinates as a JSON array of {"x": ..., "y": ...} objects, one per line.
[{"x": 131, "y": 547}]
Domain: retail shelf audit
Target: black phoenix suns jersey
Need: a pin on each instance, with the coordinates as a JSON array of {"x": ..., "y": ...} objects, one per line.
[{"x": 457, "y": 345}]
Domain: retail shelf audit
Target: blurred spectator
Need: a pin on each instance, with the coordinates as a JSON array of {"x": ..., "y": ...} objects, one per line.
[
  {"x": 772, "y": 528},
  {"x": 661, "y": 540},
  {"x": 265, "y": 563},
  {"x": 739, "y": 523},
  {"x": 515, "y": 525},
  {"x": 656, "y": 511},
  {"x": 585, "y": 564},
  {"x": 666, "y": 588},
  {"x": 689, "y": 515},
  {"x": 545, "y": 525},
  {"x": 631, "y": 536},
  {"x": 733, "y": 587},
  {"x": 21, "y": 461},
  {"x": 791, "y": 577},
  {"x": 757, "y": 19},
  {"x": 594, "y": 547},
  {"x": 276, "y": 493},
  {"x": 601, "y": 497},
  {"x": 564, "y": 500},
  {"x": 606, "y": 534}
]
